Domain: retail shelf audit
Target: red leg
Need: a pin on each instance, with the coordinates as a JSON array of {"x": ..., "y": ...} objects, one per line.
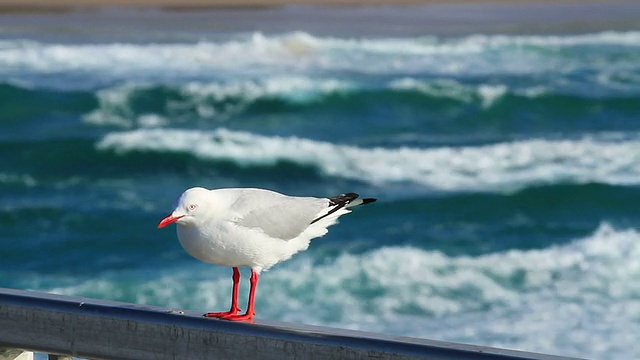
[
  {"x": 248, "y": 316},
  {"x": 234, "y": 298}
]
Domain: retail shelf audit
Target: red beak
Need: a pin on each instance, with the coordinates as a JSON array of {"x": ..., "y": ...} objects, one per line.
[{"x": 169, "y": 219}]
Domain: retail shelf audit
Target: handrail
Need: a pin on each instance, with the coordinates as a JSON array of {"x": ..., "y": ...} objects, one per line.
[{"x": 104, "y": 329}]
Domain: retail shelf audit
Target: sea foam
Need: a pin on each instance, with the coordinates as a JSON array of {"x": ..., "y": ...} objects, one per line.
[{"x": 499, "y": 167}]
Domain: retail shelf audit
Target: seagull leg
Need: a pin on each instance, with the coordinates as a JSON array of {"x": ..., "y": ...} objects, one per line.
[
  {"x": 248, "y": 316},
  {"x": 234, "y": 298}
]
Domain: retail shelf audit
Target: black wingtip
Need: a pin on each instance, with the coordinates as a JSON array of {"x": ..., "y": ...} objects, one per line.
[
  {"x": 343, "y": 199},
  {"x": 368, "y": 200}
]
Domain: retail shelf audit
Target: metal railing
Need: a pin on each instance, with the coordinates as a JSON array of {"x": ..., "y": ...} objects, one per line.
[{"x": 66, "y": 326}]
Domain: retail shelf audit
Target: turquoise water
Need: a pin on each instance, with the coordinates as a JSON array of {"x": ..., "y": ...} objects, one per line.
[{"x": 507, "y": 170}]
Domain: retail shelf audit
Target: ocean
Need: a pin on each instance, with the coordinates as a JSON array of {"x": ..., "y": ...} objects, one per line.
[{"x": 506, "y": 167}]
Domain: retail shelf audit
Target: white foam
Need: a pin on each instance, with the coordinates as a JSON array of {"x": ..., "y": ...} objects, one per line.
[
  {"x": 629, "y": 38},
  {"x": 554, "y": 300},
  {"x": 444, "y": 88},
  {"x": 491, "y": 93},
  {"x": 258, "y": 55},
  {"x": 499, "y": 167},
  {"x": 161, "y": 58},
  {"x": 293, "y": 88},
  {"x": 486, "y": 94}
]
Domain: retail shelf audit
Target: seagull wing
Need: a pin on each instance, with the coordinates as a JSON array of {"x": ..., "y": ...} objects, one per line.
[{"x": 276, "y": 215}]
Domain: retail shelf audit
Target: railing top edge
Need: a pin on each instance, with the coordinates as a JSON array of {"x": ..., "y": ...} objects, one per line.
[{"x": 264, "y": 328}]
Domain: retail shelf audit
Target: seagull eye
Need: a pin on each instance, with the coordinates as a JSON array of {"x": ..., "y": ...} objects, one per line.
[{"x": 192, "y": 207}]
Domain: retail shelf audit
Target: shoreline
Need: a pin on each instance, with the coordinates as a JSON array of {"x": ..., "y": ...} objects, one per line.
[
  {"x": 27, "y": 6},
  {"x": 172, "y": 20}
]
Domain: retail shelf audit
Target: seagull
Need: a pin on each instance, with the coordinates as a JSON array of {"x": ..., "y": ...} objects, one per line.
[{"x": 256, "y": 228}]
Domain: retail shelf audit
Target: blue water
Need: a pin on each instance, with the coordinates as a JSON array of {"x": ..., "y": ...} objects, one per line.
[{"x": 507, "y": 169}]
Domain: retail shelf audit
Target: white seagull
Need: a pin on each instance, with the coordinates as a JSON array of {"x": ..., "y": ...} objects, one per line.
[{"x": 256, "y": 228}]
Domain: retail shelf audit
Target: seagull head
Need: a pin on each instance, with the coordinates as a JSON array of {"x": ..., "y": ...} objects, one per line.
[{"x": 188, "y": 206}]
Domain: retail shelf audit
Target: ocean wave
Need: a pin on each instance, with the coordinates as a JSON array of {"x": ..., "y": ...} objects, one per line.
[
  {"x": 501, "y": 167},
  {"x": 152, "y": 105},
  {"x": 257, "y": 55},
  {"x": 138, "y": 105},
  {"x": 543, "y": 300}
]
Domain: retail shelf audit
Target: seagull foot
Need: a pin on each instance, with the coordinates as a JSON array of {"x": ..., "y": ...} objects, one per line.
[
  {"x": 238, "y": 317},
  {"x": 222, "y": 314}
]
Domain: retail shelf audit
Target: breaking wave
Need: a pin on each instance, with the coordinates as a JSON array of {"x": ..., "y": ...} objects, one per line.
[
  {"x": 497, "y": 167},
  {"x": 258, "y": 55}
]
